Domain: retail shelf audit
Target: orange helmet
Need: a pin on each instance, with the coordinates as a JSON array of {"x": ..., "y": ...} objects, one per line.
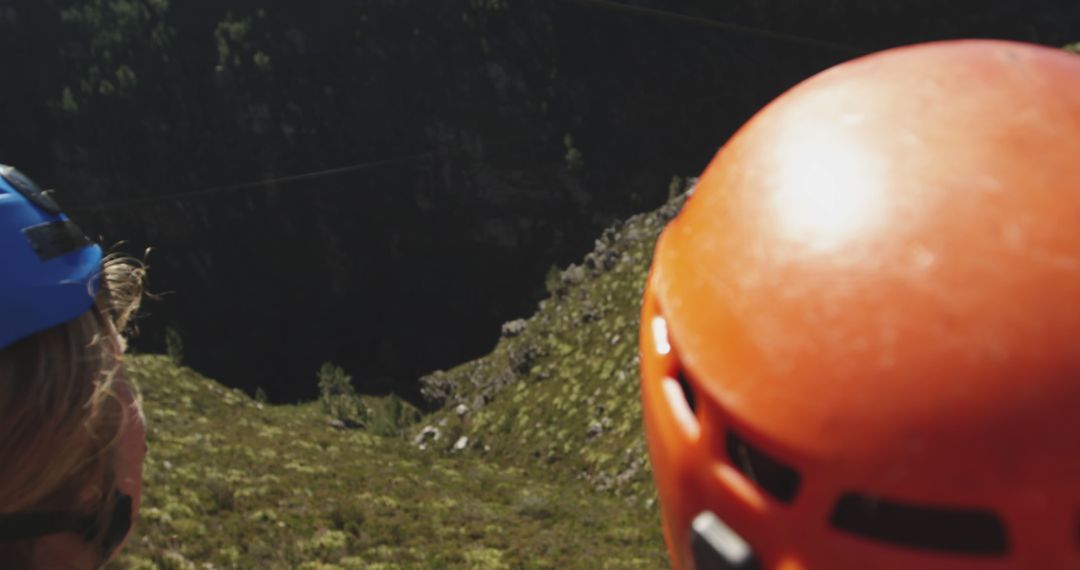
[{"x": 860, "y": 342}]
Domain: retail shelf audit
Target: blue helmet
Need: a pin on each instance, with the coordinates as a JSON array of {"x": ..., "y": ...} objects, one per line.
[{"x": 49, "y": 269}]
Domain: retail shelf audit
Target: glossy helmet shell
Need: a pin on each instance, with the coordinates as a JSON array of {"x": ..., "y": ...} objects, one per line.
[
  {"x": 861, "y": 337},
  {"x": 49, "y": 270}
]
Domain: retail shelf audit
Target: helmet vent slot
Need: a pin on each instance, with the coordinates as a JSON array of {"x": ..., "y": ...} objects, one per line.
[
  {"x": 54, "y": 239},
  {"x": 961, "y": 531},
  {"x": 778, "y": 479},
  {"x": 687, "y": 390}
]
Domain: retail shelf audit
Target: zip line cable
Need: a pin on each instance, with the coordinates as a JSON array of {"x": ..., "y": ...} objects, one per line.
[
  {"x": 726, "y": 26},
  {"x": 315, "y": 174},
  {"x": 603, "y": 4},
  {"x": 251, "y": 185}
]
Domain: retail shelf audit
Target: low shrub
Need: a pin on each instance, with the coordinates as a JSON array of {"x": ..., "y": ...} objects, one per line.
[{"x": 339, "y": 398}]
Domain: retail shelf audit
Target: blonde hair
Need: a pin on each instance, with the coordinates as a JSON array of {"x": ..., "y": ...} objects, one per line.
[{"x": 60, "y": 414}]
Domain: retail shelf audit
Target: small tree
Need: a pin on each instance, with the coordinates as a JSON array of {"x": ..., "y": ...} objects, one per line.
[
  {"x": 338, "y": 397},
  {"x": 391, "y": 415},
  {"x": 174, "y": 346}
]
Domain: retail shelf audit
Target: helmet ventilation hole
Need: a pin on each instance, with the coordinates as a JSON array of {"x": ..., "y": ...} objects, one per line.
[
  {"x": 961, "y": 531},
  {"x": 779, "y": 480},
  {"x": 687, "y": 390},
  {"x": 680, "y": 399}
]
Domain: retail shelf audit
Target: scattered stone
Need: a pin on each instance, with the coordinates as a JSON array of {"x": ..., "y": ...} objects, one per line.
[
  {"x": 630, "y": 472},
  {"x": 461, "y": 410},
  {"x": 522, "y": 356},
  {"x": 514, "y": 328},
  {"x": 347, "y": 423},
  {"x": 595, "y": 429},
  {"x": 601, "y": 260},
  {"x": 573, "y": 275},
  {"x": 590, "y": 313},
  {"x": 461, "y": 443},
  {"x": 438, "y": 387},
  {"x": 602, "y": 481},
  {"x": 428, "y": 434}
]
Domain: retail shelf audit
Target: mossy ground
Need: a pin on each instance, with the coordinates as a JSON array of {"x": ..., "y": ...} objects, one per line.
[
  {"x": 540, "y": 461},
  {"x": 231, "y": 483}
]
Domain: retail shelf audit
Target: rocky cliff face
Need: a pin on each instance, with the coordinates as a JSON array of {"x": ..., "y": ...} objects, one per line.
[{"x": 482, "y": 143}]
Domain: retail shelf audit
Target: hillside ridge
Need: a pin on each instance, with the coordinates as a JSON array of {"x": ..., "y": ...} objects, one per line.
[
  {"x": 532, "y": 459},
  {"x": 560, "y": 388}
]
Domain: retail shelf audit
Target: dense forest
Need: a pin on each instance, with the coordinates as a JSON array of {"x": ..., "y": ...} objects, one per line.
[{"x": 381, "y": 183}]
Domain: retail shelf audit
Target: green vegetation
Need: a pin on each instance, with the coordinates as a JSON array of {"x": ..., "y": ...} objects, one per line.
[
  {"x": 233, "y": 38},
  {"x": 174, "y": 346},
  {"x": 391, "y": 416},
  {"x": 385, "y": 417},
  {"x": 232, "y": 483},
  {"x": 560, "y": 391},
  {"x": 120, "y": 36},
  {"x": 573, "y": 157},
  {"x": 535, "y": 460},
  {"x": 676, "y": 186},
  {"x": 339, "y": 399}
]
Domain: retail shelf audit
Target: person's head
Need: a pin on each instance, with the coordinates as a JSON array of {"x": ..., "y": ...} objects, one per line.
[
  {"x": 860, "y": 338},
  {"x": 71, "y": 434}
]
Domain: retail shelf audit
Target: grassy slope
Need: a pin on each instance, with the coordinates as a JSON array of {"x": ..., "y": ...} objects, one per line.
[
  {"x": 234, "y": 484},
  {"x": 562, "y": 394},
  {"x": 554, "y": 474}
]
